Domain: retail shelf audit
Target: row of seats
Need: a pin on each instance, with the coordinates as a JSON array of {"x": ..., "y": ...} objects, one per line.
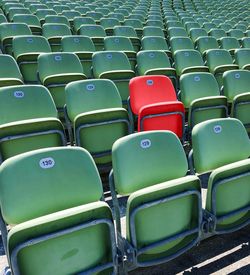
[
  {"x": 63, "y": 226},
  {"x": 96, "y": 118}
]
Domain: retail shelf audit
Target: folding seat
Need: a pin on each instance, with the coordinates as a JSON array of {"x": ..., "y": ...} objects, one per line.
[
  {"x": 57, "y": 19},
  {"x": 79, "y": 21},
  {"x": 38, "y": 6},
  {"x": 241, "y": 27},
  {"x": 136, "y": 24},
  {"x": 117, "y": 15},
  {"x": 138, "y": 16},
  {"x": 10, "y": 30},
  {"x": 83, "y": 47},
  {"x": 245, "y": 42},
  {"x": 174, "y": 24},
  {"x": 155, "y": 23},
  {"x": 225, "y": 26},
  {"x": 55, "y": 221},
  {"x": 114, "y": 65},
  {"x": 217, "y": 33},
  {"x": 154, "y": 17},
  {"x": 95, "y": 15},
  {"x": 104, "y": 11},
  {"x": 208, "y": 26},
  {"x": 177, "y": 32},
  {"x": 94, "y": 112},
  {"x": 237, "y": 33},
  {"x": 15, "y": 11},
  {"x": 55, "y": 70},
  {"x": 108, "y": 24},
  {"x": 186, "y": 61},
  {"x": 242, "y": 58},
  {"x": 60, "y": 8},
  {"x": 223, "y": 147},
  {"x": 154, "y": 106},
  {"x": 41, "y": 14},
  {"x": 191, "y": 25},
  {"x": 9, "y": 71},
  {"x": 230, "y": 44},
  {"x": 123, "y": 44},
  {"x": 26, "y": 125},
  {"x": 96, "y": 33},
  {"x": 129, "y": 32},
  {"x": 153, "y": 43},
  {"x": 82, "y": 10},
  {"x": 163, "y": 198},
  {"x": 6, "y": 6},
  {"x": 31, "y": 20},
  {"x": 26, "y": 50},
  {"x": 200, "y": 94},
  {"x": 205, "y": 43},
  {"x": 54, "y": 33},
  {"x": 70, "y": 15},
  {"x": 153, "y": 31},
  {"x": 219, "y": 61},
  {"x": 196, "y": 33}
]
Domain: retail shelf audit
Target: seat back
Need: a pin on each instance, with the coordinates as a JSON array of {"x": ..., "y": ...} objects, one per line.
[
  {"x": 13, "y": 29},
  {"x": 145, "y": 90},
  {"x": 217, "y": 33},
  {"x": 20, "y": 103},
  {"x": 206, "y": 43},
  {"x": 9, "y": 68},
  {"x": 91, "y": 95},
  {"x": 177, "y": 32},
  {"x": 154, "y": 43},
  {"x": 187, "y": 58},
  {"x": 57, "y": 19},
  {"x": 126, "y": 31},
  {"x": 197, "y": 85},
  {"x": 109, "y": 61},
  {"x": 153, "y": 31},
  {"x": 51, "y": 30},
  {"x": 237, "y": 33},
  {"x": 79, "y": 21},
  {"x": 92, "y": 31},
  {"x": 217, "y": 58},
  {"x": 235, "y": 82},
  {"x": 162, "y": 149},
  {"x": 229, "y": 43},
  {"x": 242, "y": 58},
  {"x": 181, "y": 43},
  {"x": 218, "y": 142},
  {"x": 30, "y": 19},
  {"x": 196, "y": 33},
  {"x": 77, "y": 43},
  {"x": 30, "y": 44},
  {"x": 118, "y": 43}
]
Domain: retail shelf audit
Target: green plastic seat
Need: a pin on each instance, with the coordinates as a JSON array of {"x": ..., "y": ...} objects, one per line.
[
  {"x": 136, "y": 24},
  {"x": 16, "y": 11},
  {"x": 54, "y": 33},
  {"x": 230, "y": 44},
  {"x": 56, "y": 70},
  {"x": 31, "y": 20},
  {"x": 245, "y": 42},
  {"x": 83, "y": 47},
  {"x": 196, "y": 33},
  {"x": 223, "y": 147},
  {"x": 115, "y": 66},
  {"x": 217, "y": 33},
  {"x": 206, "y": 43},
  {"x": 191, "y": 25},
  {"x": 56, "y": 222},
  {"x": 156, "y": 196},
  {"x": 153, "y": 31},
  {"x": 103, "y": 10},
  {"x": 219, "y": 61},
  {"x": 155, "y": 63},
  {"x": 96, "y": 33},
  {"x": 208, "y": 26},
  {"x": 181, "y": 43},
  {"x": 237, "y": 33},
  {"x": 94, "y": 110},
  {"x": 8, "y": 31},
  {"x": 188, "y": 61},
  {"x": 26, "y": 50},
  {"x": 177, "y": 32},
  {"x": 235, "y": 82},
  {"x": 42, "y": 13},
  {"x": 9, "y": 71},
  {"x": 242, "y": 58},
  {"x": 59, "y": 8},
  {"x": 173, "y": 24},
  {"x": 79, "y": 21},
  {"x": 57, "y": 19},
  {"x": 95, "y": 15},
  {"x": 83, "y": 10},
  {"x": 108, "y": 24},
  {"x": 3, "y": 19},
  {"x": 201, "y": 97},
  {"x": 123, "y": 44},
  {"x": 154, "y": 43},
  {"x": 34, "y": 7},
  {"x": 129, "y": 32},
  {"x": 70, "y": 15},
  {"x": 26, "y": 125},
  {"x": 155, "y": 23}
]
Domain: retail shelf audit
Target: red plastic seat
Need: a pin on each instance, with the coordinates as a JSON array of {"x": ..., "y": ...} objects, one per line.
[{"x": 153, "y": 100}]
